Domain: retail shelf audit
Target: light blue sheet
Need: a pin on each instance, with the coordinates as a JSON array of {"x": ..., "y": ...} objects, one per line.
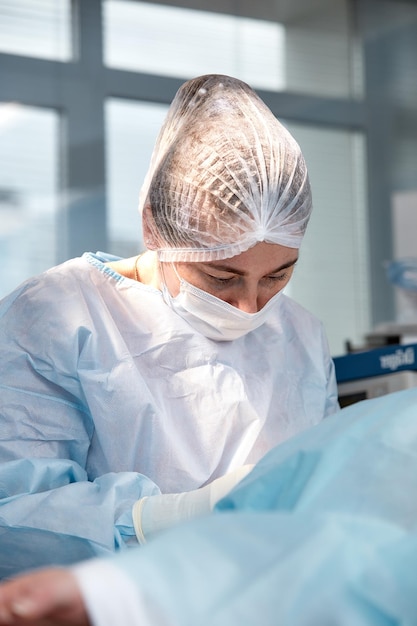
[{"x": 322, "y": 532}]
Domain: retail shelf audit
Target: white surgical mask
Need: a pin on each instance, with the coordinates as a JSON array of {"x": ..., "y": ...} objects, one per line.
[{"x": 212, "y": 317}]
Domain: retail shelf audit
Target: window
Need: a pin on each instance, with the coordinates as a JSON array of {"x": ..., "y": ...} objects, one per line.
[
  {"x": 29, "y": 181},
  {"x": 158, "y": 39},
  {"x": 332, "y": 276},
  {"x": 36, "y": 28},
  {"x": 307, "y": 52},
  {"x": 131, "y": 130}
]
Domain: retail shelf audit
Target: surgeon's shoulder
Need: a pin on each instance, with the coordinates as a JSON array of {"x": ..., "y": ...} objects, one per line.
[{"x": 51, "y": 289}]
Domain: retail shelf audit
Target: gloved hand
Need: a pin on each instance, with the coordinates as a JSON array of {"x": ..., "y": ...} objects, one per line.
[{"x": 152, "y": 514}]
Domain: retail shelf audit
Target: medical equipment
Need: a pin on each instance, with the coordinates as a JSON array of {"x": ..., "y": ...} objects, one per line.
[{"x": 372, "y": 373}]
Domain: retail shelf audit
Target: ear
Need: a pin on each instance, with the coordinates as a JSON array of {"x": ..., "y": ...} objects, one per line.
[{"x": 148, "y": 228}]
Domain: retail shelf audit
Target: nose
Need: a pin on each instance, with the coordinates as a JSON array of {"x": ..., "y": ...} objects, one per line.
[{"x": 247, "y": 300}]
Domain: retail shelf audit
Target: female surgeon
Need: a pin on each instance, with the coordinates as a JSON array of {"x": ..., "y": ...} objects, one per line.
[{"x": 137, "y": 392}]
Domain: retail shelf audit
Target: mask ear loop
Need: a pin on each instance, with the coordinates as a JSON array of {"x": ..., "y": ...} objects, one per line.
[
  {"x": 163, "y": 279},
  {"x": 176, "y": 273}
]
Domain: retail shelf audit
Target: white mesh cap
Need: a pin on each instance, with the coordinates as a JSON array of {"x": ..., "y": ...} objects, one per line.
[{"x": 224, "y": 175}]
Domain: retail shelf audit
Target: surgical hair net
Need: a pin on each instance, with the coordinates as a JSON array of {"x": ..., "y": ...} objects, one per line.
[{"x": 224, "y": 175}]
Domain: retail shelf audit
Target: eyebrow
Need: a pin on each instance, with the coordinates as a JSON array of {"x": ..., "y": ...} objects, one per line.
[{"x": 227, "y": 268}]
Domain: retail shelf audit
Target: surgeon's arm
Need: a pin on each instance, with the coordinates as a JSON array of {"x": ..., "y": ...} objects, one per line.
[
  {"x": 151, "y": 515},
  {"x": 70, "y": 522},
  {"x": 97, "y": 585},
  {"x": 52, "y": 511}
]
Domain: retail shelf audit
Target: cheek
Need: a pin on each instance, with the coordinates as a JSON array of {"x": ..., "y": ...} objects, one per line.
[
  {"x": 264, "y": 298},
  {"x": 173, "y": 287}
]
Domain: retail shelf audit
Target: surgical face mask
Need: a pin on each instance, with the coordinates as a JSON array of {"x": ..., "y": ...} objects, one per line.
[{"x": 212, "y": 317}]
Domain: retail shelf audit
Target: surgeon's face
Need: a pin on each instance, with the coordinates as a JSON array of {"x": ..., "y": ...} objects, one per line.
[{"x": 247, "y": 281}]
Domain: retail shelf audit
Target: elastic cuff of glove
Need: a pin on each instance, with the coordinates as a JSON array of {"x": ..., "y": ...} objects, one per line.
[{"x": 137, "y": 519}]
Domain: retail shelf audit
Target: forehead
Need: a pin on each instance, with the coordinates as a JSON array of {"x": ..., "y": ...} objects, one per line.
[{"x": 262, "y": 258}]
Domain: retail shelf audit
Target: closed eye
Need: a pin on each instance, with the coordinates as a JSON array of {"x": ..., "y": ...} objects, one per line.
[
  {"x": 219, "y": 279},
  {"x": 278, "y": 277},
  {"x": 270, "y": 281}
]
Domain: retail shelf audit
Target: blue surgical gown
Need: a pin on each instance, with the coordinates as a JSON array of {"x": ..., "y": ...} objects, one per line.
[{"x": 107, "y": 395}]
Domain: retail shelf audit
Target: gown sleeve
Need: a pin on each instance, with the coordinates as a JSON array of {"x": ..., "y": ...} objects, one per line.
[{"x": 51, "y": 510}]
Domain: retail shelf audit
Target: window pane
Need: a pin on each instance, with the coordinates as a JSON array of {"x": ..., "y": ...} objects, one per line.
[
  {"x": 28, "y": 192},
  {"x": 323, "y": 55},
  {"x": 332, "y": 277},
  {"x": 308, "y": 52},
  {"x": 131, "y": 131},
  {"x": 36, "y": 28},
  {"x": 158, "y": 39}
]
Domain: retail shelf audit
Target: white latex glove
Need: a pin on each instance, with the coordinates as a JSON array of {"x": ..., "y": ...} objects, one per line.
[{"x": 152, "y": 514}]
